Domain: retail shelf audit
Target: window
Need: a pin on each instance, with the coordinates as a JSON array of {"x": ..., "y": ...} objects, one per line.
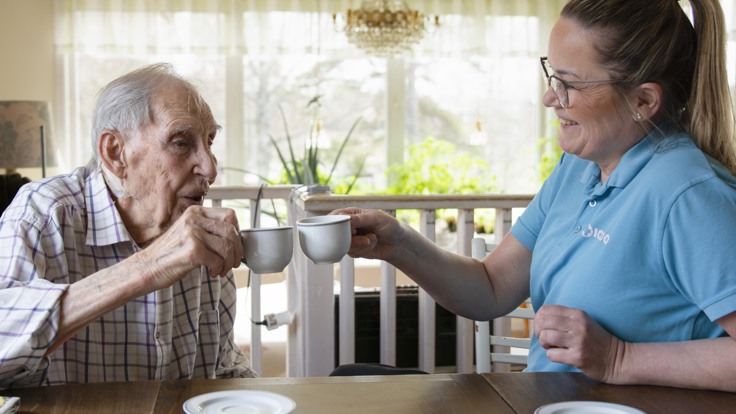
[{"x": 474, "y": 83}]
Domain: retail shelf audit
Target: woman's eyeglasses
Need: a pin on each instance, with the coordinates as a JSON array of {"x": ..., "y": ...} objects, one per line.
[{"x": 560, "y": 87}]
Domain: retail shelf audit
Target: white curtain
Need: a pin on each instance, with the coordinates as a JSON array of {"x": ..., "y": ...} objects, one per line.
[
  {"x": 214, "y": 26},
  {"x": 97, "y": 40}
]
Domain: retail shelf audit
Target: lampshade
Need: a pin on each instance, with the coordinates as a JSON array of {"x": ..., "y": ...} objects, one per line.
[{"x": 25, "y": 135}]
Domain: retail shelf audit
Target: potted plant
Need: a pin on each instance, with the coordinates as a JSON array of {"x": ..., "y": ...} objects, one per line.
[{"x": 307, "y": 169}]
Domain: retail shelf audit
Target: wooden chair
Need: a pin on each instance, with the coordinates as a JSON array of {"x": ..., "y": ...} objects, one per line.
[{"x": 496, "y": 350}]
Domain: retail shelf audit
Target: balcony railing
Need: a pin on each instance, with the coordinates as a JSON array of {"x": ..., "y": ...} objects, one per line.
[{"x": 310, "y": 287}]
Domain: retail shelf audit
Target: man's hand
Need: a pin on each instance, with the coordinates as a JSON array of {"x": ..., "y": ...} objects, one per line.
[{"x": 200, "y": 237}]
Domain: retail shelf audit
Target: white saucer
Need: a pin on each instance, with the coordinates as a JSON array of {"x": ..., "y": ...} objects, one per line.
[
  {"x": 239, "y": 401},
  {"x": 586, "y": 407}
]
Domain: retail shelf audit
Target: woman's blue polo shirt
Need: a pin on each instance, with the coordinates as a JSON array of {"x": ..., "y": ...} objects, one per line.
[{"x": 650, "y": 254}]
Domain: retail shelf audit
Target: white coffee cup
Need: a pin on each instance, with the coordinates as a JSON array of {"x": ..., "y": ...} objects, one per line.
[
  {"x": 325, "y": 239},
  {"x": 267, "y": 249}
]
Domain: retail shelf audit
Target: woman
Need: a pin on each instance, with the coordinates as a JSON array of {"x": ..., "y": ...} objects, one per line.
[{"x": 627, "y": 250}]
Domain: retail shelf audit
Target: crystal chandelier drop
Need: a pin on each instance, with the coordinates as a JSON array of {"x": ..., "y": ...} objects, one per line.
[{"x": 385, "y": 28}]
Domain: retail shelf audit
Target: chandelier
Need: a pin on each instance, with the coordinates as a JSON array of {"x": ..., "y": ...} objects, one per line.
[{"x": 385, "y": 28}]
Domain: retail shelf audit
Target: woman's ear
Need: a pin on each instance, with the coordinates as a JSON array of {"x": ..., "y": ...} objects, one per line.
[
  {"x": 111, "y": 149},
  {"x": 647, "y": 101}
]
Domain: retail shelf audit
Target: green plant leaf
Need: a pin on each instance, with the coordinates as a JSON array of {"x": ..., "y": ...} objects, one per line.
[
  {"x": 311, "y": 159},
  {"x": 435, "y": 166},
  {"x": 289, "y": 174},
  {"x": 342, "y": 147},
  {"x": 295, "y": 165},
  {"x": 356, "y": 176},
  {"x": 306, "y": 170}
]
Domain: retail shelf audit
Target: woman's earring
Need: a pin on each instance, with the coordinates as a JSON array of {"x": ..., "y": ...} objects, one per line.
[{"x": 639, "y": 117}]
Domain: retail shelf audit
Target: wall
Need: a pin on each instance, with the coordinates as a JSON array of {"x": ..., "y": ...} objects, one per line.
[{"x": 27, "y": 53}]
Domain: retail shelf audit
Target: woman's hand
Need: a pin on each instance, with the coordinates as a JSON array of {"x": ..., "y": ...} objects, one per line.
[
  {"x": 572, "y": 337},
  {"x": 375, "y": 234}
]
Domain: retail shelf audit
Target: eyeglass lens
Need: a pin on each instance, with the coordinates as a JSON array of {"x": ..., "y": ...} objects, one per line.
[
  {"x": 559, "y": 89},
  {"x": 558, "y": 86}
]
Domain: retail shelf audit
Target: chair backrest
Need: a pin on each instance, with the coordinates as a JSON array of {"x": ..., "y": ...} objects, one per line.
[
  {"x": 9, "y": 186},
  {"x": 496, "y": 348}
]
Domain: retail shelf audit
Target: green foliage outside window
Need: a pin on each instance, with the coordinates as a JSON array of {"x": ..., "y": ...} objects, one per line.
[
  {"x": 551, "y": 153},
  {"x": 434, "y": 166}
]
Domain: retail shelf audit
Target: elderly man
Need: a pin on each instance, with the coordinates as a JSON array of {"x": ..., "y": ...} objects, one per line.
[{"x": 116, "y": 272}]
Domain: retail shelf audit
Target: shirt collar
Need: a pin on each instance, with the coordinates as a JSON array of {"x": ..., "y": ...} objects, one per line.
[
  {"x": 633, "y": 161},
  {"x": 104, "y": 224}
]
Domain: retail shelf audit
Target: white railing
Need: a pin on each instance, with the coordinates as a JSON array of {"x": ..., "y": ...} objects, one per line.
[
  {"x": 310, "y": 287},
  {"x": 254, "y": 196}
]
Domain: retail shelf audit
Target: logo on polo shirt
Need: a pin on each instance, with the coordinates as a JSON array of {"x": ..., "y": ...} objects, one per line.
[{"x": 596, "y": 233}]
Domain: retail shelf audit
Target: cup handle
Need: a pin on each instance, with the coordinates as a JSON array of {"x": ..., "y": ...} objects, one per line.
[{"x": 242, "y": 259}]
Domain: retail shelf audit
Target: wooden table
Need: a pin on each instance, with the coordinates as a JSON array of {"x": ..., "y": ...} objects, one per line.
[
  {"x": 525, "y": 392},
  {"x": 443, "y": 393},
  {"x": 411, "y": 394}
]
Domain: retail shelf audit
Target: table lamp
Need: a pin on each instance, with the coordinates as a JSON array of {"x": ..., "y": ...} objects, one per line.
[{"x": 25, "y": 132}]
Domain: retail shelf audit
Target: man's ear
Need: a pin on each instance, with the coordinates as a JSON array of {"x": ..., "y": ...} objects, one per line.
[
  {"x": 647, "y": 101},
  {"x": 111, "y": 146}
]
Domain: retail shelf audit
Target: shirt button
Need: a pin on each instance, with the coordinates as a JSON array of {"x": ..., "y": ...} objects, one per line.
[
  {"x": 158, "y": 334},
  {"x": 592, "y": 203},
  {"x": 577, "y": 229}
]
